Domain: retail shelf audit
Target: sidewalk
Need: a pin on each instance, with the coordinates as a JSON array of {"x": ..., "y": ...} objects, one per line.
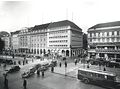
[{"x": 72, "y": 70}]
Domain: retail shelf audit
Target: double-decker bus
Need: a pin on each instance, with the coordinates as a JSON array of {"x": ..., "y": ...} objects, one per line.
[{"x": 101, "y": 78}]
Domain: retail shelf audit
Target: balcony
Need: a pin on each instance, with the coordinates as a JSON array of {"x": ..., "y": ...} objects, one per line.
[{"x": 116, "y": 51}]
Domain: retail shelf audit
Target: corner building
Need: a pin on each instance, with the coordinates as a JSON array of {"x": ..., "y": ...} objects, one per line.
[
  {"x": 104, "y": 40},
  {"x": 65, "y": 38}
]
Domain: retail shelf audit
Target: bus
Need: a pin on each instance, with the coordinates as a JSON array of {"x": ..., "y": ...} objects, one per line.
[{"x": 101, "y": 78}]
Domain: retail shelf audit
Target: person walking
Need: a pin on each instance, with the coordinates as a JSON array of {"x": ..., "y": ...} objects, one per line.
[
  {"x": 60, "y": 64},
  {"x": 6, "y": 83},
  {"x": 52, "y": 69},
  {"x": 24, "y": 83},
  {"x": 104, "y": 69},
  {"x": 65, "y": 64},
  {"x": 42, "y": 73},
  {"x": 38, "y": 72},
  {"x": 75, "y": 61}
]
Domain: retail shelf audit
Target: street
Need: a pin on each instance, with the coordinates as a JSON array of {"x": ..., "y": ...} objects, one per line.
[{"x": 49, "y": 81}]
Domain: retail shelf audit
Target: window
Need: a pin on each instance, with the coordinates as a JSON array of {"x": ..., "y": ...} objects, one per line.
[
  {"x": 99, "y": 34},
  {"x": 90, "y": 34},
  {"x": 103, "y": 34},
  {"x": 117, "y": 32},
  {"x": 38, "y": 45},
  {"x": 107, "y": 33},
  {"x": 112, "y": 32}
]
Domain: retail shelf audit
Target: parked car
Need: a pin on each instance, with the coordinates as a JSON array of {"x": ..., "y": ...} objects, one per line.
[
  {"x": 27, "y": 74},
  {"x": 53, "y": 63},
  {"x": 37, "y": 66},
  {"x": 13, "y": 69}
]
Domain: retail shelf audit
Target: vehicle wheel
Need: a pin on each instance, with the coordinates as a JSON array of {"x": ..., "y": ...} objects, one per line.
[{"x": 85, "y": 80}]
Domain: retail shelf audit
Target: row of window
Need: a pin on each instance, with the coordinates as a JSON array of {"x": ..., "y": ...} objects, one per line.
[
  {"x": 40, "y": 35},
  {"x": 102, "y": 34},
  {"x": 58, "y": 41},
  {"x": 58, "y": 37},
  {"x": 38, "y": 39},
  {"x": 39, "y": 30},
  {"x": 105, "y": 40},
  {"x": 38, "y": 45},
  {"x": 58, "y": 45},
  {"x": 57, "y": 32}
]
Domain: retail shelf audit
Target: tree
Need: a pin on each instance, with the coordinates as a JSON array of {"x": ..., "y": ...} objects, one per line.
[{"x": 2, "y": 45}]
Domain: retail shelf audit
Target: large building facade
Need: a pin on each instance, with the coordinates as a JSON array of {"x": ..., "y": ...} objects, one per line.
[
  {"x": 63, "y": 38},
  {"x": 15, "y": 42},
  {"x": 104, "y": 40}
]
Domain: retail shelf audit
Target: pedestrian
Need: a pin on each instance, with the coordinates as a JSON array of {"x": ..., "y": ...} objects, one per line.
[
  {"x": 38, "y": 72},
  {"x": 75, "y": 61},
  {"x": 6, "y": 83},
  {"x": 23, "y": 62},
  {"x": 42, "y": 73},
  {"x": 24, "y": 83},
  {"x": 60, "y": 64},
  {"x": 14, "y": 62},
  {"x": 65, "y": 64},
  {"x": 104, "y": 69},
  {"x": 52, "y": 69}
]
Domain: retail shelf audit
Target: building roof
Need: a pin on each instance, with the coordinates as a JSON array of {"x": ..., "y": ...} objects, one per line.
[
  {"x": 63, "y": 23},
  {"x": 39, "y": 27},
  {"x": 108, "y": 24},
  {"x": 15, "y": 32}
]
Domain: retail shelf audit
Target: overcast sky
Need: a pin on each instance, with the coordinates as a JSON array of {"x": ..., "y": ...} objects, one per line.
[{"x": 15, "y": 15}]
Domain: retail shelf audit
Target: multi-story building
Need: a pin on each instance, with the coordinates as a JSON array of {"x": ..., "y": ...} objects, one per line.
[
  {"x": 5, "y": 36},
  {"x": 104, "y": 40},
  {"x": 15, "y": 42},
  {"x": 63, "y": 37}
]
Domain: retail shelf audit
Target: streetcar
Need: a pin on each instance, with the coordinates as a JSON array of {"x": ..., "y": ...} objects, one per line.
[{"x": 101, "y": 78}]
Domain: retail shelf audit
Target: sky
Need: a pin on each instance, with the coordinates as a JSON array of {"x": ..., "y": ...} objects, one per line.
[{"x": 17, "y": 14}]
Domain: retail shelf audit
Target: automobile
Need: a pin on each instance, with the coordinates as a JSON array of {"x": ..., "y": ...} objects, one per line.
[
  {"x": 27, "y": 74},
  {"x": 42, "y": 68},
  {"x": 37, "y": 66},
  {"x": 13, "y": 69},
  {"x": 53, "y": 63}
]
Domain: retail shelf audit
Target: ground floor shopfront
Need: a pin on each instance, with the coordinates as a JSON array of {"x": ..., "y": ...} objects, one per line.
[
  {"x": 69, "y": 52},
  {"x": 107, "y": 56}
]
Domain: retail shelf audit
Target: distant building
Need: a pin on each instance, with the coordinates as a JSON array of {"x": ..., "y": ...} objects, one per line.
[
  {"x": 15, "y": 42},
  {"x": 5, "y": 36},
  {"x": 104, "y": 40}
]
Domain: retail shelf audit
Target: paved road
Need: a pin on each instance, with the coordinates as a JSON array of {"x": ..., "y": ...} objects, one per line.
[{"x": 50, "y": 81}]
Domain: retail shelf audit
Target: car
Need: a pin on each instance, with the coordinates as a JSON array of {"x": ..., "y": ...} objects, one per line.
[
  {"x": 13, "y": 69},
  {"x": 53, "y": 63},
  {"x": 37, "y": 66},
  {"x": 27, "y": 74}
]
